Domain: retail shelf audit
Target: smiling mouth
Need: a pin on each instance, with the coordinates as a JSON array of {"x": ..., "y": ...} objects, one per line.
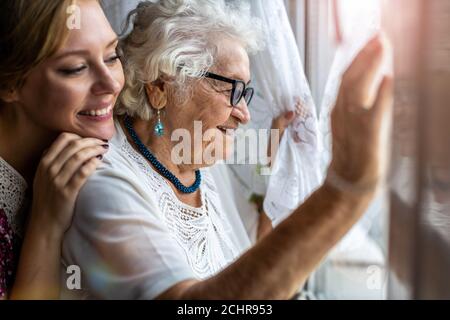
[{"x": 97, "y": 112}]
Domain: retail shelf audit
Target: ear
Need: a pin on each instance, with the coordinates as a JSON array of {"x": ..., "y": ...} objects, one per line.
[
  {"x": 9, "y": 96},
  {"x": 156, "y": 94}
]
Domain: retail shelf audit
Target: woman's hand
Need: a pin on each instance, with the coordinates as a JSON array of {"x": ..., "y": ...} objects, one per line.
[
  {"x": 280, "y": 123},
  {"x": 63, "y": 170},
  {"x": 283, "y": 121},
  {"x": 360, "y": 122}
]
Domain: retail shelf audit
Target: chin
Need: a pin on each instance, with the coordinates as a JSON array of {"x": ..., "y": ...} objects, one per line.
[{"x": 103, "y": 132}]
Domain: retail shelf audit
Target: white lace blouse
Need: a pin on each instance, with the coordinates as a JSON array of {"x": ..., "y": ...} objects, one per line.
[
  {"x": 12, "y": 202},
  {"x": 133, "y": 239},
  {"x": 12, "y": 196}
]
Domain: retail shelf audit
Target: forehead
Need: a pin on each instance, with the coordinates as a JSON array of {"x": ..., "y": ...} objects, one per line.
[
  {"x": 232, "y": 60},
  {"x": 95, "y": 30}
]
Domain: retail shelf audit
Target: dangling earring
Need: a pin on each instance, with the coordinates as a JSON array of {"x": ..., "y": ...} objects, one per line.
[{"x": 159, "y": 127}]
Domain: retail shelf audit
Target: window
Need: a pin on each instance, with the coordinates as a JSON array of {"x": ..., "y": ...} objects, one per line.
[
  {"x": 356, "y": 267},
  {"x": 416, "y": 204},
  {"x": 420, "y": 210}
]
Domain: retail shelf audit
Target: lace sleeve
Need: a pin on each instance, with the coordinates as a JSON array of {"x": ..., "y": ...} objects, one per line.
[
  {"x": 6, "y": 254},
  {"x": 13, "y": 197}
]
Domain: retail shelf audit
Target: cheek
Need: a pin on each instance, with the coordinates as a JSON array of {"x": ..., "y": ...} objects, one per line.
[
  {"x": 53, "y": 103},
  {"x": 216, "y": 112},
  {"x": 119, "y": 76}
]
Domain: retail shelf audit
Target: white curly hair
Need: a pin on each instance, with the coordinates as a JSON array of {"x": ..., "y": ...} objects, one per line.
[{"x": 177, "y": 40}]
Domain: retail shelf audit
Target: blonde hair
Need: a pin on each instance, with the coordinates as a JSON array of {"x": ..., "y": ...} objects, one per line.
[
  {"x": 30, "y": 32},
  {"x": 177, "y": 40}
]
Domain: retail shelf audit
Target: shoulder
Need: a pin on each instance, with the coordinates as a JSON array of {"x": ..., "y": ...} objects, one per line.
[
  {"x": 10, "y": 178},
  {"x": 119, "y": 167},
  {"x": 118, "y": 185}
]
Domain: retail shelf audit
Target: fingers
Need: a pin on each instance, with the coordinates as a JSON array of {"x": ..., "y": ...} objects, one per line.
[
  {"x": 280, "y": 123},
  {"x": 362, "y": 73},
  {"x": 288, "y": 118},
  {"x": 72, "y": 150},
  {"x": 283, "y": 121},
  {"x": 76, "y": 163},
  {"x": 57, "y": 146},
  {"x": 80, "y": 177}
]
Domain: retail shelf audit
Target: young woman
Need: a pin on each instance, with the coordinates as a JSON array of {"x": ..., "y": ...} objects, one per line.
[{"x": 59, "y": 82}]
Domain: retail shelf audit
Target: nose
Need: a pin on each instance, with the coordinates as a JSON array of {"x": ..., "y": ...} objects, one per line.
[
  {"x": 241, "y": 112},
  {"x": 107, "y": 82}
]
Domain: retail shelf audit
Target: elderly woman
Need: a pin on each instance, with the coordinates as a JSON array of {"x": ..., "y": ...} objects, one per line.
[{"x": 147, "y": 226}]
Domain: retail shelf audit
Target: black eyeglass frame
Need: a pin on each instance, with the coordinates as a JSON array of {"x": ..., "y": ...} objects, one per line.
[{"x": 234, "y": 82}]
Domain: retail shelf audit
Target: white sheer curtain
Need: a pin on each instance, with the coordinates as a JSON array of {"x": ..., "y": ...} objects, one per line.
[
  {"x": 355, "y": 268},
  {"x": 280, "y": 82}
]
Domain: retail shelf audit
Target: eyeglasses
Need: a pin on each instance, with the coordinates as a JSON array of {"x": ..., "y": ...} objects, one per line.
[{"x": 239, "y": 90}]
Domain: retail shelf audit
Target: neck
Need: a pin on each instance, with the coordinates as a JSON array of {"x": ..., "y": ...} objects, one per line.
[
  {"x": 161, "y": 148},
  {"x": 22, "y": 142}
]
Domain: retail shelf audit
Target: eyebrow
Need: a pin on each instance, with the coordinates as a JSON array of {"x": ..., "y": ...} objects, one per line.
[
  {"x": 237, "y": 78},
  {"x": 83, "y": 52},
  {"x": 234, "y": 76}
]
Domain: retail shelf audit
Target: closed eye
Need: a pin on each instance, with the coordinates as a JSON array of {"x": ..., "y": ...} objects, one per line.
[
  {"x": 72, "y": 72},
  {"x": 113, "y": 59},
  {"x": 80, "y": 69}
]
